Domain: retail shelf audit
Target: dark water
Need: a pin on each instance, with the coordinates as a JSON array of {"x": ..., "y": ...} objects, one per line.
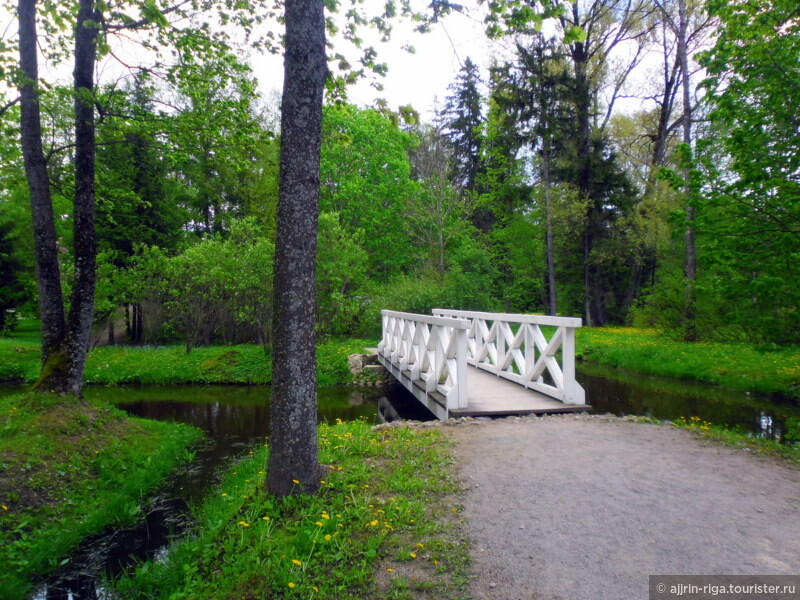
[
  {"x": 613, "y": 391},
  {"x": 237, "y": 418}
]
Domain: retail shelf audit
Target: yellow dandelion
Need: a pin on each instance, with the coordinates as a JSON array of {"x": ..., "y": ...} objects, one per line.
[
  {"x": 315, "y": 588},
  {"x": 244, "y": 523},
  {"x": 265, "y": 518},
  {"x": 294, "y": 481},
  {"x": 297, "y": 562},
  {"x": 291, "y": 584},
  {"x": 412, "y": 554},
  {"x": 224, "y": 494},
  {"x": 318, "y": 523},
  {"x": 390, "y": 570},
  {"x": 328, "y": 537}
]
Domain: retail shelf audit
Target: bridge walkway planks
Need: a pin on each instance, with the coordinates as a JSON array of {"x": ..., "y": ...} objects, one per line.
[{"x": 490, "y": 395}]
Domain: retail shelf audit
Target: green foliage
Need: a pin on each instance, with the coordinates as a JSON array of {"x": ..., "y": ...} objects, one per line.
[
  {"x": 385, "y": 503},
  {"x": 12, "y": 287},
  {"x": 366, "y": 179},
  {"x": 69, "y": 470},
  {"x": 462, "y": 119},
  {"x": 219, "y": 139},
  {"x": 520, "y": 245},
  {"x": 467, "y": 285},
  {"x": 136, "y": 197},
  {"x": 218, "y": 289},
  {"x": 749, "y": 216},
  {"x": 341, "y": 275}
]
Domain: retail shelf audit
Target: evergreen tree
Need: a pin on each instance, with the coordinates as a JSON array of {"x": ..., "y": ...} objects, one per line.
[{"x": 461, "y": 121}]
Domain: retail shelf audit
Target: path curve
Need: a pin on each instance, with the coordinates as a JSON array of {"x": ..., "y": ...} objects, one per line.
[{"x": 586, "y": 507}]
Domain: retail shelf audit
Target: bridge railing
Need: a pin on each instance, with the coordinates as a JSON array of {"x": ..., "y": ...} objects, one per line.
[
  {"x": 431, "y": 351},
  {"x": 514, "y": 347}
]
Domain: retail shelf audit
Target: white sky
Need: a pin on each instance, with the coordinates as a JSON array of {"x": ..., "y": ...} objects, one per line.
[{"x": 419, "y": 79}]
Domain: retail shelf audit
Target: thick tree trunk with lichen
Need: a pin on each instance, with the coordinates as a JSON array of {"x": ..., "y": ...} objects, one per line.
[
  {"x": 65, "y": 342},
  {"x": 51, "y": 305},
  {"x": 293, "y": 464}
]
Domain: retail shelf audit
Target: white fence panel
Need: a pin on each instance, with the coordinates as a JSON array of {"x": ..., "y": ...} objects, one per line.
[
  {"x": 514, "y": 347},
  {"x": 429, "y": 350}
]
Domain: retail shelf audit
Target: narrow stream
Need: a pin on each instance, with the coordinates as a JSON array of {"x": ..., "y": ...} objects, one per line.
[
  {"x": 234, "y": 419},
  {"x": 237, "y": 418}
]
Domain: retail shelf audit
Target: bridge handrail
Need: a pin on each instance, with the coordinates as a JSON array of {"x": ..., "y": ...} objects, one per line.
[
  {"x": 430, "y": 350},
  {"x": 511, "y": 317},
  {"x": 447, "y": 321},
  {"x": 513, "y": 355}
]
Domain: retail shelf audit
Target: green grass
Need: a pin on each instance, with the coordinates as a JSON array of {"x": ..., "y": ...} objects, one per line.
[
  {"x": 738, "y": 439},
  {"x": 163, "y": 365},
  {"x": 385, "y": 524},
  {"x": 764, "y": 369},
  {"x": 68, "y": 470}
]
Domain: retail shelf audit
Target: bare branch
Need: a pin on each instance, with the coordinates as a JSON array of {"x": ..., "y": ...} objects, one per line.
[{"x": 8, "y": 105}]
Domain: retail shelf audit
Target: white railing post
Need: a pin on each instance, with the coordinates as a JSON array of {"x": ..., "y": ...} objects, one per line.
[
  {"x": 573, "y": 392},
  {"x": 461, "y": 370}
]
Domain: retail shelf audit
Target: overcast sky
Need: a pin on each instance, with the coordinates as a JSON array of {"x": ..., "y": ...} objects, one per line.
[{"x": 418, "y": 79}]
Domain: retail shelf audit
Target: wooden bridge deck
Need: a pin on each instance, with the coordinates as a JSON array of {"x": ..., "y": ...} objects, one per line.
[{"x": 490, "y": 395}]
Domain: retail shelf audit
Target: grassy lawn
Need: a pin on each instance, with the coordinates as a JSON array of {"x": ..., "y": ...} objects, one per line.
[
  {"x": 163, "y": 365},
  {"x": 386, "y": 524},
  {"x": 68, "y": 470},
  {"x": 766, "y": 369}
]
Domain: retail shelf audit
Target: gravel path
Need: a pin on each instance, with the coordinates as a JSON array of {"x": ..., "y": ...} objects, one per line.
[{"x": 585, "y": 508}]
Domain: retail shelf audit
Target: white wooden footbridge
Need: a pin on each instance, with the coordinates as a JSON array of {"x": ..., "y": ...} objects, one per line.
[{"x": 463, "y": 363}]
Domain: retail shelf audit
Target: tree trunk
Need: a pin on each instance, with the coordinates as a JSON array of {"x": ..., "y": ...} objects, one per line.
[
  {"x": 551, "y": 263},
  {"x": 48, "y": 278},
  {"x": 64, "y": 343},
  {"x": 690, "y": 330},
  {"x": 79, "y": 325},
  {"x": 582, "y": 109},
  {"x": 293, "y": 424}
]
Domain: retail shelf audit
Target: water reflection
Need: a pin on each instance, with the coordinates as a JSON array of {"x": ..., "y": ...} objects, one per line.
[{"x": 621, "y": 393}]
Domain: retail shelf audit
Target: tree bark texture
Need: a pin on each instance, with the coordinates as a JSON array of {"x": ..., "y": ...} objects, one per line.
[
  {"x": 690, "y": 330},
  {"x": 48, "y": 279},
  {"x": 551, "y": 261},
  {"x": 293, "y": 424},
  {"x": 79, "y": 324},
  {"x": 64, "y": 341}
]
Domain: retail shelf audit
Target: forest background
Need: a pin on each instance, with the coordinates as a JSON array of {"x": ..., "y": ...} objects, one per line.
[{"x": 530, "y": 190}]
